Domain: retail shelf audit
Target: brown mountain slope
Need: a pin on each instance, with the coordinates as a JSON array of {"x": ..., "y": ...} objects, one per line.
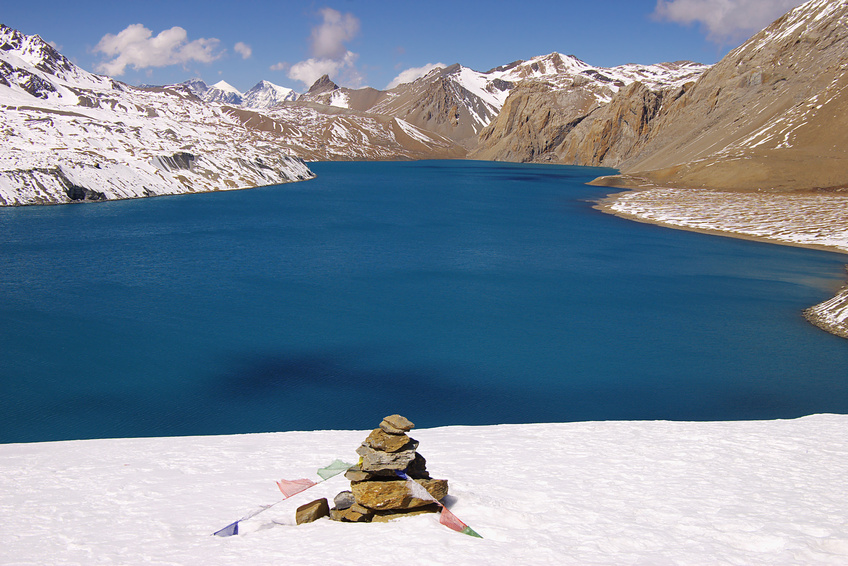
[
  {"x": 771, "y": 114},
  {"x": 550, "y": 118},
  {"x": 534, "y": 121}
]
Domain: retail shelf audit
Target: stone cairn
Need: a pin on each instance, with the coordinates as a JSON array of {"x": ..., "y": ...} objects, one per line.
[{"x": 376, "y": 492}]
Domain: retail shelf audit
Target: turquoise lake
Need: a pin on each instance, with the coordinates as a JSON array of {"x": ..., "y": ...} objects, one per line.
[{"x": 451, "y": 292}]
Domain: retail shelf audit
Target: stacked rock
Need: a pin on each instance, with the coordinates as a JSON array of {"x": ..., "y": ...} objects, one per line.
[{"x": 377, "y": 492}]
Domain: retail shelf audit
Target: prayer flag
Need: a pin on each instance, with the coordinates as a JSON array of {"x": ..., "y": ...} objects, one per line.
[
  {"x": 228, "y": 531},
  {"x": 446, "y": 518},
  {"x": 288, "y": 488},
  {"x": 333, "y": 469},
  {"x": 293, "y": 487},
  {"x": 451, "y": 521}
]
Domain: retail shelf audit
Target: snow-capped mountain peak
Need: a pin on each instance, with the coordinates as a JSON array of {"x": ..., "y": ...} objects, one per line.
[
  {"x": 32, "y": 67},
  {"x": 266, "y": 94},
  {"x": 226, "y": 87},
  {"x": 223, "y": 92},
  {"x": 196, "y": 86}
]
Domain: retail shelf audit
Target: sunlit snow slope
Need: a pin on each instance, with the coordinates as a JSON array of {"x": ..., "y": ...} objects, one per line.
[{"x": 70, "y": 135}]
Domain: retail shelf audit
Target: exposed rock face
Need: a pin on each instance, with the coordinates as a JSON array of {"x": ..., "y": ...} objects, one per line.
[
  {"x": 612, "y": 133},
  {"x": 324, "y": 84},
  {"x": 773, "y": 114},
  {"x": 440, "y": 103},
  {"x": 549, "y": 115},
  {"x": 534, "y": 122}
]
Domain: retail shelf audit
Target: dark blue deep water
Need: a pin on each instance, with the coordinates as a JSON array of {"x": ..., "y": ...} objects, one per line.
[{"x": 449, "y": 292}]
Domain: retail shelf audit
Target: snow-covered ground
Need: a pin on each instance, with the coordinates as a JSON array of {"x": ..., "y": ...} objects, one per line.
[{"x": 650, "y": 492}]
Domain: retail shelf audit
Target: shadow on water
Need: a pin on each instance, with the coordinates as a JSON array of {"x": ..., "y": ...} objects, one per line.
[{"x": 342, "y": 391}]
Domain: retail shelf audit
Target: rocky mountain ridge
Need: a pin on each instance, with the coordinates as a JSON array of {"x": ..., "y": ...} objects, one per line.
[
  {"x": 459, "y": 103},
  {"x": 770, "y": 115}
]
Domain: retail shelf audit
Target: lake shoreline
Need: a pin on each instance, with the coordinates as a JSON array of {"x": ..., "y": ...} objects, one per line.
[{"x": 674, "y": 208}]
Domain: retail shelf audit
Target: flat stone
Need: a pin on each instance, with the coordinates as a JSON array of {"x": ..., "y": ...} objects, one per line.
[
  {"x": 396, "y": 424},
  {"x": 356, "y": 473},
  {"x": 386, "y": 516},
  {"x": 350, "y": 516},
  {"x": 382, "y": 440},
  {"x": 357, "y": 508},
  {"x": 312, "y": 511},
  {"x": 373, "y": 460},
  {"x": 383, "y": 495},
  {"x": 344, "y": 500}
]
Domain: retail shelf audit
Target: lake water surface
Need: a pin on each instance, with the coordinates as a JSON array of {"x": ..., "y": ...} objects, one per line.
[{"x": 450, "y": 292}]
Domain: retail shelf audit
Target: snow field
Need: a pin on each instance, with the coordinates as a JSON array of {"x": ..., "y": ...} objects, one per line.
[{"x": 651, "y": 492}]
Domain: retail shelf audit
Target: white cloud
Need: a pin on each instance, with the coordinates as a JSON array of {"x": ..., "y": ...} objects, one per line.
[
  {"x": 244, "y": 50},
  {"x": 725, "y": 20},
  {"x": 413, "y": 73},
  {"x": 280, "y": 66},
  {"x": 330, "y": 55},
  {"x": 330, "y": 38},
  {"x": 135, "y": 46}
]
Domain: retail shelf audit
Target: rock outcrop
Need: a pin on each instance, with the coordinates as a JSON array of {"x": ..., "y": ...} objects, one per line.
[
  {"x": 581, "y": 115},
  {"x": 534, "y": 121}
]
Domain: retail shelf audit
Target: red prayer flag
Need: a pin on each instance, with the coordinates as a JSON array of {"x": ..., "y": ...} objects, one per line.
[
  {"x": 292, "y": 487},
  {"x": 451, "y": 521}
]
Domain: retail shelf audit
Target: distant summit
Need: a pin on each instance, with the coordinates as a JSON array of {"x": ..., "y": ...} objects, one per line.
[
  {"x": 322, "y": 85},
  {"x": 224, "y": 93},
  {"x": 265, "y": 94},
  {"x": 196, "y": 86}
]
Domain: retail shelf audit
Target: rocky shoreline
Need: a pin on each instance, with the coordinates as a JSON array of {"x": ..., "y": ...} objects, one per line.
[{"x": 810, "y": 219}]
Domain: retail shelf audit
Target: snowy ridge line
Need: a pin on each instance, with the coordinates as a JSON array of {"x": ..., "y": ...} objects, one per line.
[{"x": 566, "y": 71}]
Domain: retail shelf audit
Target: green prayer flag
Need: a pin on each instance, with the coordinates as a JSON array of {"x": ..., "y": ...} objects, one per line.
[
  {"x": 470, "y": 532},
  {"x": 333, "y": 469}
]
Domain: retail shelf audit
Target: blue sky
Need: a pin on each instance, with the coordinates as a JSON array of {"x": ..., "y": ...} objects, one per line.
[{"x": 369, "y": 43}]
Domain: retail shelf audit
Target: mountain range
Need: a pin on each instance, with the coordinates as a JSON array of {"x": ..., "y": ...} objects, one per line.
[
  {"x": 263, "y": 94},
  {"x": 768, "y": 115}
]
